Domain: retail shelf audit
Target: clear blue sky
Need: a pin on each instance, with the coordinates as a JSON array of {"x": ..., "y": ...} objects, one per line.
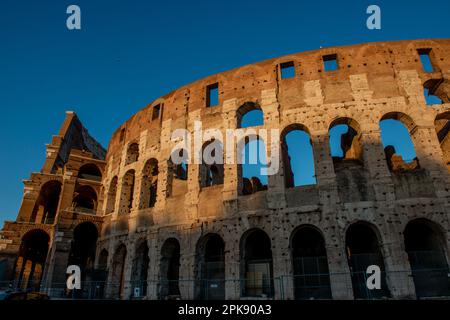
[{"x": 131, "y": 52}]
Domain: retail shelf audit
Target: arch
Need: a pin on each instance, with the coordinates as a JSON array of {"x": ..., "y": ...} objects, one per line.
[
  {"x": 434, "y": 92},
  {"x": 170, "y": 269},
  {"x": 210, "y": 267},
  {"x": 85, "y": 199},
  {"x": 31, "y": 260},
  {"x": 252, "y": 160},
  {"x": 310, "y": 264},
  {"x": 298, "y": 156},
  {"x": 442, "y": 126},
  {"x": 348, "y": 163},
  {"x": 425, "y": 245},
  {"x": 249, "y": 114},
  {"x": 149, "y": 184},
  {"x": 47, "y": 203},
  {"x": 90, "y": 171},
  {"x": 139, "y": 273},
  {"x": 363, "y": 249},
  {"x": 103, "y": 259},
  {"x": 111, "y": 196},
  {"x": 117, "y": 279},
  {"x": 179, "y": 163},
  {"x": 256, "y": 264},
  {"x": 396, "y": 136},
  {"x": 347, "y": 133},
  {"x": 82, "y": 250},
  {"x": 211, "y": 168},
  {"x": 132, "y": 153},
  {"x": 127, "y": 194}
]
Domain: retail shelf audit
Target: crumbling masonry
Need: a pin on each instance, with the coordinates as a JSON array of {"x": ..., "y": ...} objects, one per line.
[{"x": 141, "y": 227}]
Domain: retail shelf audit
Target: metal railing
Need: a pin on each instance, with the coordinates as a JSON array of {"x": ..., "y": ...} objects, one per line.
[{"x": 424, "y": 283}]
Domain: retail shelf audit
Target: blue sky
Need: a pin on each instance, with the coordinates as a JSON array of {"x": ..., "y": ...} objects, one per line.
[{"x": 130, "y": 52}]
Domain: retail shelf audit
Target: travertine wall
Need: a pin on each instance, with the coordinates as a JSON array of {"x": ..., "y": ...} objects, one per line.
[{"x": 373, "y": 82}]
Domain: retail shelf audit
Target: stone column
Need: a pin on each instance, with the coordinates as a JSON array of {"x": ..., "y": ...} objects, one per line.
[
  {"x": 375, "y": 163},
  {"x": 276, "y": 197},
  {"x": 340, "y": 278},
  {"x": 398, "y": 269},
  {"x": 231, "y": 177}
]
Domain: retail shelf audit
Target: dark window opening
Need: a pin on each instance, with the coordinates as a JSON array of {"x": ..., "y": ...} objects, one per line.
[
  {"x": 431, "y": 99},
  {"x": 170, "y": 270},
  {"x": 210, "y": 271},
  {"x": 212, "y": 95},
  {"x": 425, "y": 245},
  {"x": 122, "y": 135},
  {"x": 309, "y": 258},
  {"x": 256, "y": 265},
  {"x": 287, "y": 70},
  {"x": 425, "y": 59},
  {"x": 156, "y": 111},
  {"x": 330, "y": 62},
  {"x": 363, "y": 250}
]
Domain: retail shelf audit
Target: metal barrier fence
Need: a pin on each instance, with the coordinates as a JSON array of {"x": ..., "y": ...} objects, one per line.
[{"x": 421, "y": 283}]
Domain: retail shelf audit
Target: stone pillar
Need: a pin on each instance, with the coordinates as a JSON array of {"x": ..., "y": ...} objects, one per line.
[
  {"x": 153, "y": 268},
  {"x": 186, "y": 274},
  {"x": 429, "y": 153},
  {"x": 232, "y": 268},
  {"x": 282, "y": 262},
  {"x": 276, "y": 197},
  {"x": 398, "y": 269},
  {"x": 30, "y": 196},
  {"x": 191, "y": 198},
  {"x": 375, "y": 163},
  {"x": 231, "y": 177}
]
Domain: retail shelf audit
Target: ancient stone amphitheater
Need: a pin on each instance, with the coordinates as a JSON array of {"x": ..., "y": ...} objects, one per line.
[{"x": 142, "y": 227}]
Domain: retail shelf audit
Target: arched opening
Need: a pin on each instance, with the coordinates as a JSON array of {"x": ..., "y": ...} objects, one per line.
[
  {"x": 117, "y": 281},
  {"x": 298, "y": 158},
  {"x": 170, "y": 269},
  {"x": 249, "y": 115},
  {"x": 426, "y": 248},
  {"x": 434, "y": 92},
  {"x": 347, "y": 154},
  {"x": 149, "y": 185},
  {"x": 252, "y": 165},
  {"x": 31, "y": 260},
  {"x": 132, "y": 153},
  {"x": 442, "y": 125},
  {"x": 111, "y": 197},
  {"x": 140, "y": 270},
  {"x": 177, "y": 174},
  {"x": 210, "y": 272},
  {"x": 211, "y": 168},
  {"x": 90, "y": 172},
  {"x": 363, "y": 250},
  {"x": 85, "y": 199},
  {"x": 82, "y": 251},
  {"x": 127, "y": 194},
  {"x": 397, "y": 142},
  {"x": 103, "y": 260},
  {"x": 256, "y": 264},
  {"x": 310, "y": 264},
  {"x": 47, "y": 203}
]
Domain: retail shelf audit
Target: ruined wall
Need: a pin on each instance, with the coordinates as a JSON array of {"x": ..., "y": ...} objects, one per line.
[{"x": 373, "y": 82}]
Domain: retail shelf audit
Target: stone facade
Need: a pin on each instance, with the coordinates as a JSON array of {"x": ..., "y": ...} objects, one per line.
[{"x": 149, "y": 214}]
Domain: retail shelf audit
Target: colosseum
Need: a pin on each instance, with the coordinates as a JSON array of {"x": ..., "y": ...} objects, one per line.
[{"x": 142, "y": 227}]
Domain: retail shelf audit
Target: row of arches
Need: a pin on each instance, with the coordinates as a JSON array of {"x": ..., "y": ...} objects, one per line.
[
  {"x": 297, "y": 151},
  {"x": 85, "y": 197},
  {"x": 424, "y": 243}
]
